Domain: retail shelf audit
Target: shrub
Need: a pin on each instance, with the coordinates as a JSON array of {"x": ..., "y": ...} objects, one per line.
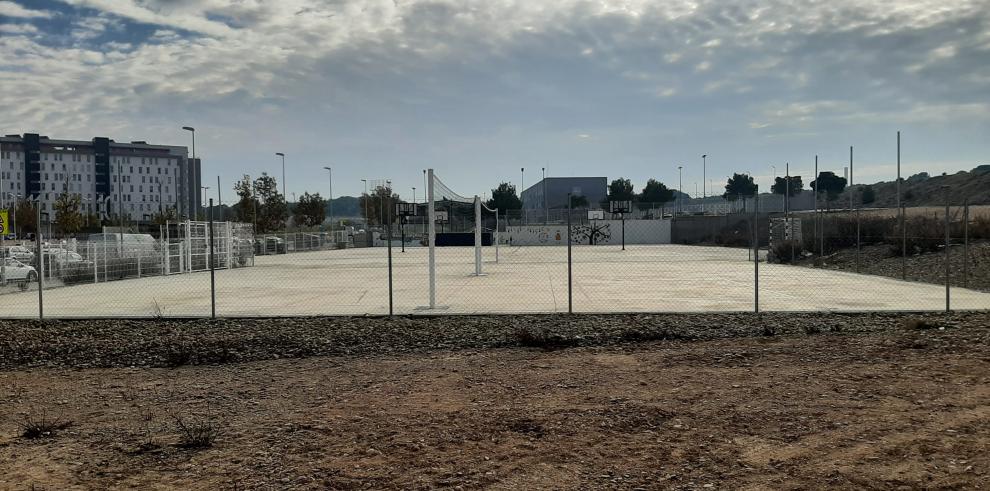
[{"x": 786, "y": 251}]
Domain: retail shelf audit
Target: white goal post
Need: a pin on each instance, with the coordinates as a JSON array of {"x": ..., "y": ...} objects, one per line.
[{"x": 447, "y": 194}]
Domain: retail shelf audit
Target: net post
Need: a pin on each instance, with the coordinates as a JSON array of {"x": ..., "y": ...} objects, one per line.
[
  {"x": 570, "y": 277},
  {"x": 495, "y": 236},
  {"x": 432, "y": 226},
  {"x": 477, "y": 235}
]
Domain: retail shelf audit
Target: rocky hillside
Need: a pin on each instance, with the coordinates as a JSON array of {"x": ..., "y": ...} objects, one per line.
[{"x": 922, "y": 190}]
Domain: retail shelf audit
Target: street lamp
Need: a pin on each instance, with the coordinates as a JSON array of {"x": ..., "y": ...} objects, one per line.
[
  {"x": 680, "y": 190},
  {"x": 330, "y": 199},
  {"x": 191, "y": 130},
  {"x": 285, "y": 197}
]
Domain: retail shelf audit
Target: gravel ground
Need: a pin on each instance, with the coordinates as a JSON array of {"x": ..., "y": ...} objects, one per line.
[
  {"x": 170, "y": 343},
  {"x": 926, "y": 268},
  {"x": 879, "y": 405}
]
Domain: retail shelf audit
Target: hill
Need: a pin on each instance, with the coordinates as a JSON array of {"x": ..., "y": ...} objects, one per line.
[{"x": 924, "y": 190}]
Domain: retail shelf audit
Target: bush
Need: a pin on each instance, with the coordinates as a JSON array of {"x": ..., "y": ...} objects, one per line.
[{"x": 786, "y": 251}]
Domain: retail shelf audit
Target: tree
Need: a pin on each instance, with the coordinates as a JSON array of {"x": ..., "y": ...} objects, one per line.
[
  {"x": 869, "y": 195},
  {"x": 739, "y": 185},
  {"x": 67, "y": 213},
  {"x": 247, "y": 202},
  {"x": 504, "y": 198},
  {"x": 830, "y": 184},
  {"x": 168, "y": 214},
  {"x": 656, "y": 192},
  {"x": 310, "y": 211},
  {"x": 620, "y": 190},
  {"x": 379, "y": 206},
  {"x": 26, "y": 220},
  {"x": 272, "y": 210},
  {"x": 780, "y": 186}
]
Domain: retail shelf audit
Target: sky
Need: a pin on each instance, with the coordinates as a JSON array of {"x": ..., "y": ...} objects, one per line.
[{"x": 478, "y": 90}]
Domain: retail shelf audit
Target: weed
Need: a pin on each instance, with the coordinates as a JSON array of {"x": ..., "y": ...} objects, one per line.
[
  {"x": 42, "y": 425},
  {"x": 196, "y": 433},
  {"x": 178, "y": 353},
  {"x": 157, "y": 313},
  {"x": 811, "y": 329}
]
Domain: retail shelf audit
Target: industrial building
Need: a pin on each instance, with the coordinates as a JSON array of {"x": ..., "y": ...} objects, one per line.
[{"x": 551, "y": 192}]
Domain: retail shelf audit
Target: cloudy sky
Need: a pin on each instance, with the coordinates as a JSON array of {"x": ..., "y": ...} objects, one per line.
[{"x": 479, "y": 89}]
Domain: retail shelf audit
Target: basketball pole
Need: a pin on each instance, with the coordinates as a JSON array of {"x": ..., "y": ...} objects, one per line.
[{"x": 431, "y": 212}]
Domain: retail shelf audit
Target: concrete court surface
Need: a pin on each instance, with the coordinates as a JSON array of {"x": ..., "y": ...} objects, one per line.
[{"x": 650, "y": 278}]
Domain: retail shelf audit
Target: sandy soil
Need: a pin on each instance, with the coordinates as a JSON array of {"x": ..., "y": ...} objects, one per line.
[{"x": 888, "y": 410}]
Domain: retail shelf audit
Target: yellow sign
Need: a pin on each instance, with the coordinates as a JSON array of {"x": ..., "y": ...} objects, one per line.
[{"x": 4, "y": 224}]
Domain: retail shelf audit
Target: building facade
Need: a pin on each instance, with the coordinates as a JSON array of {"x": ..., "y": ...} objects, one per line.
[
  {"x": 556, "y": 189},
  {"x": 136, "y": 179}
]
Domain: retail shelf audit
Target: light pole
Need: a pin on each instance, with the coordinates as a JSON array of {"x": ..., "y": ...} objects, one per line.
[
  {"x": 205, "y": 195},
  {"x": 191, "y": 130},
  {"x": 704, "y": 194},
  {"x": 330, "y": 199},
  {"x": 680, "y": 190}
]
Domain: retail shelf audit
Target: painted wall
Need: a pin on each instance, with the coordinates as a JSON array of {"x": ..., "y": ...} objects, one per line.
[{"x": 604, "y": 231}]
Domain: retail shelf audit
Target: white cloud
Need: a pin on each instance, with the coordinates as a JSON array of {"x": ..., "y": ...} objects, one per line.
[
  {"x": 11, "y": 9},
  {"x": 18, "y": 28}
]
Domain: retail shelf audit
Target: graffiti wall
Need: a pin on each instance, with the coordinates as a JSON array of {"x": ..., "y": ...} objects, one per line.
[{"x": 597, "y": 232}]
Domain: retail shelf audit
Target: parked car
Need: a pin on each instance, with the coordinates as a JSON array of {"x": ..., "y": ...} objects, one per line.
[
  {"x": 20, "y": 253},
  {"x": 20, "y": 273},
  {"x": 269, "y": 245}
]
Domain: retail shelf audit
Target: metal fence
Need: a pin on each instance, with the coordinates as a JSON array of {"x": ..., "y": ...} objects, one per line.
[{"x": 914, "y": 259}]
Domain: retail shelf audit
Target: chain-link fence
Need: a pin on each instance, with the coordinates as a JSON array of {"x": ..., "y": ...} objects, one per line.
[{"x": 934, "y": 258}]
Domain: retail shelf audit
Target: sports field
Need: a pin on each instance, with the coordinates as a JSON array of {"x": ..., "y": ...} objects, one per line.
[{"x": 654, "y": 278}]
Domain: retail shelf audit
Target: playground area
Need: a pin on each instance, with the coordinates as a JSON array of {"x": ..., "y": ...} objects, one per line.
[{"x": 642, "y": 278}]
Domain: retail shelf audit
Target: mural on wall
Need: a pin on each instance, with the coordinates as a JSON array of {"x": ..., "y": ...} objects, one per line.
[{"x": 595, "y": 233}]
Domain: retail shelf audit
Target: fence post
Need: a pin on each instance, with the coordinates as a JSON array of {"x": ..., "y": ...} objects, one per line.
[
  {"x": 213, "y": 279},
  {"x": 946, "y": 189},
  {"x": 966, "y": 244},
  {"x": 96, "y": 269},
  {"x": 570, "y": 278},
  {"x": 756, "y": 251},
  {"x": 857, "y": 240},
  {"x": 388, "y": 238},
  {"x": 903, "y": 241},
  {"x": 41, "y": 268},
  {"x": 139, "y": 254}
]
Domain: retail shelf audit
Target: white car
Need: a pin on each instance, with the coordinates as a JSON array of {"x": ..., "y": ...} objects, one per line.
[
  {"x": 20, "y": 253},
  {"x": 18, "y": 272}
]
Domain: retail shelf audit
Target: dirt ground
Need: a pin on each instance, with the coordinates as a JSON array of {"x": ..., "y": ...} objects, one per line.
[{"x": 895, "y": 409}]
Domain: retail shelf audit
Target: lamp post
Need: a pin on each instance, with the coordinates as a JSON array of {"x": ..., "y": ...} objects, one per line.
[
  {"x": 680, "y": 190},
  {"x": 330, "y": 199},
  {"x": 191, "y": 130}
]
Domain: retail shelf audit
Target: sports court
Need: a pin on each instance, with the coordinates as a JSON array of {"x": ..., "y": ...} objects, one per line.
[{"x": 643, "y": 278}]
